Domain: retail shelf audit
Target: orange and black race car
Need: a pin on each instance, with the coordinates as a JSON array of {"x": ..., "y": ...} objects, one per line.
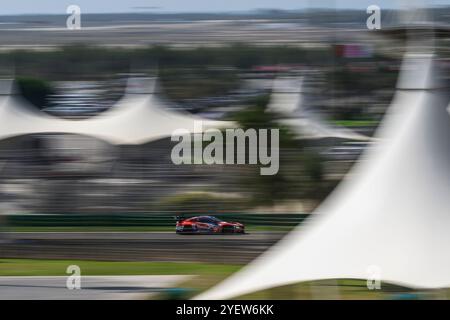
[{"x": 207, "y": 224}]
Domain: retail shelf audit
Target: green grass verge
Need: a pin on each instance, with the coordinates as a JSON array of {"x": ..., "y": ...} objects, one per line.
[
  {"x": 206, "y": 274},
  {"x": 44, "y": 267}
]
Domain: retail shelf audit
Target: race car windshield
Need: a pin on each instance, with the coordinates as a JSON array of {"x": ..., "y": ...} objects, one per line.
[{"x": 209, "y": 220}]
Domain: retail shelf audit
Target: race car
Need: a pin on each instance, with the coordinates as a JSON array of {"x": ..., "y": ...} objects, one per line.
[{"x": 207, "y": 224}]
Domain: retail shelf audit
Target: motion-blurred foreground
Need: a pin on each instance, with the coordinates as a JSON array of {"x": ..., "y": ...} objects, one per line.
[{"x": 86, "y": 117}]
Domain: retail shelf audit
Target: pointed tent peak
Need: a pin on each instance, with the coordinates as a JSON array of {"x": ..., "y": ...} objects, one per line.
[
  {"x": 287, "y": 85},
  {"x": 414, "y": 20},
  {"x": 419, "y": 72},
  {"x": 8, "y": 87},
  {"x": 141, "y": 85},
  {"x": 414, "y": 12},
  {"x": 286, "y": 96}
]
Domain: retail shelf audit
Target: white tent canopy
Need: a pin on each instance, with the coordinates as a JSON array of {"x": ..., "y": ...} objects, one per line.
[
  {"x": 139, "y": 117},
  {"x": 288, "y": 100},
  {"x": 393, "y": 212}
]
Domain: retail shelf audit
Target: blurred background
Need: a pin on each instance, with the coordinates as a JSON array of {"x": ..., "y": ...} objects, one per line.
[{"x": 312, "y": 70}]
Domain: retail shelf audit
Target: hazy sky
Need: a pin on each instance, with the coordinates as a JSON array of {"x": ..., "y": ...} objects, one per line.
[{"x": 104, "y": 6}]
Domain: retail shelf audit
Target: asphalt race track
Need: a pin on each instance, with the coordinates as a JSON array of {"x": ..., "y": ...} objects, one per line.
[
  {"x": 137, "y": 246},
  {"x": 92, "y": 287}
]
